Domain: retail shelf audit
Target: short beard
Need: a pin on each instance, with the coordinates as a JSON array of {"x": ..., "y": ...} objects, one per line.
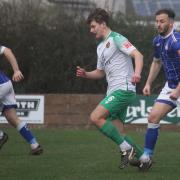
[{"x": 164, "y": 33}]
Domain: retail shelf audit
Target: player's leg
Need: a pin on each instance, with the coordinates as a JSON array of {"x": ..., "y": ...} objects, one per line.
[
  {"x": 119, "y": 124},
  {"x": 9, "y": 111},
  {"x": 158, "y": 111},
  {"x": 129, "y": 144},
  {"x": 163, "y": 105},
  {"x": 98, "y": 117},
  {"x": 111, "y": 106},
  {"x": 13, "y": 119},
  {"x": 134, "y": 161},
  {"x": 3, "y": 90},
  {"x": 125, "y": 99},
  {"x": 108, "y": 108},
  {"x": 139, "y": 149}
]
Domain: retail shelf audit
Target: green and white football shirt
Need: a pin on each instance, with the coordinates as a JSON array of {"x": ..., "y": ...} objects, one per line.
[{"x": 113, "y": 57}]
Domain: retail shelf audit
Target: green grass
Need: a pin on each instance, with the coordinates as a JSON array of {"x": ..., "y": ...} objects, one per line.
[{"x": 83, "y": 155}]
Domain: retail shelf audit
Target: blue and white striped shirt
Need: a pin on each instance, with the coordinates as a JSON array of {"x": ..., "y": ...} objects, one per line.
[
  {"x": 3, "y": 77},
  {"x": 168, "y": 50}
]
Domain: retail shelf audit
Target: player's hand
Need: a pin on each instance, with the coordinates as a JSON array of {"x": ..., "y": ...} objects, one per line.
[
  {"x": 80, "y": 72},
  {"x": 147, "y": 90},
  {"x": 135, "y": 78},
  {"x": 174, "y": 95},
  {"x": 17, "y": 76}
]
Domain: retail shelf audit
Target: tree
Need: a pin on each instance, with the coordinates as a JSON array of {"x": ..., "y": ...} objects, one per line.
[{"x": 49, "y": 44}]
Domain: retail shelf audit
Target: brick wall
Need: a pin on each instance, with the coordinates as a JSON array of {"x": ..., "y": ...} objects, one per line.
[
  {"x": 69, "y": 110},
  {"x": 73, "y": 110}
]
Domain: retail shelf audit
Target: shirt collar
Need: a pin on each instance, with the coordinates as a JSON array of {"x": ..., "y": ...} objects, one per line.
[
  {"x": 107, "y": 35},
  {"x": 164, "y": 37}
]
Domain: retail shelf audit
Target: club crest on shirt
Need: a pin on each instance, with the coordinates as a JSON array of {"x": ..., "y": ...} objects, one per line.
[{"x": 108, "y": 45}]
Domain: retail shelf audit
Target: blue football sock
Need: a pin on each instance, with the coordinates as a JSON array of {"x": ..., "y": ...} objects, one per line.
[
  {"x": 26, "y": 133},
  {"x": 151, "y": 138}
]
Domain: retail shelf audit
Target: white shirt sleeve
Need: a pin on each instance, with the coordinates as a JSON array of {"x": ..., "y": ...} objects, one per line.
[
  {"x": 127, "y": 47},
  {"x": 123, "y": 44}
]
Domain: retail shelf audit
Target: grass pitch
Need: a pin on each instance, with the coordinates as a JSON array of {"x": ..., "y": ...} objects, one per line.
[{"x": 83, "y": 155}]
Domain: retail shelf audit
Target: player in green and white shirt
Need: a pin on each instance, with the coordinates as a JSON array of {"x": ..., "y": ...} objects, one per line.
[
  {"x": 114, "y": 59},
  {"x": 115, "y": 55}
]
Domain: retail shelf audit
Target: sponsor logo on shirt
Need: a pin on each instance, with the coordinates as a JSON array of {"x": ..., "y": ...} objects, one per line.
[{"x": 127, "y": 44}]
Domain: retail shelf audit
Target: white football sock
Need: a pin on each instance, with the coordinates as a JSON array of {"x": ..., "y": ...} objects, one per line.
[
  {"x": 34, "y": 146},
  {"x": 144, "y": 158},
  {"x": 124, "y": 146}
]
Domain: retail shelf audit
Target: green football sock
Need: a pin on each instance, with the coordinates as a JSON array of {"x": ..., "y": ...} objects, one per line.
[
  {"x": 109, "y": 130},
  {"x": 139, "y": 150}
]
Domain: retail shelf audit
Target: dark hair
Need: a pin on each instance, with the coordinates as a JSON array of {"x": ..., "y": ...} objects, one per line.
[
  {"x": 171, "y": 14},
  {"x": 99, "y": 15}
]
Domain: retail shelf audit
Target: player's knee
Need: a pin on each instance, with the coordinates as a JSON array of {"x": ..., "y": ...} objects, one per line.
[
  {"x": 93, "y": 118},
  {"x": 152, "y": 118}
]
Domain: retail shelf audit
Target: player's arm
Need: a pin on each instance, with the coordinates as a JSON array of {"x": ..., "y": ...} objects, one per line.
[
  {"x": 17, "y": 75},
  {"x": 96, "y": 74},
  {"x": 138, "y": 58},
  {"x": 154, "y": 71},
  {"x": 127, "y": 48}
]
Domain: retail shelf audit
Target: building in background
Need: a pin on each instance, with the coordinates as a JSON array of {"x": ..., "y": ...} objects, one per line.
[
  {"x": 144, "y": 8},
  {"x": 111, "y": 5},
  {"x": 139, "y": 8},
  {"x": 149, "y": 7},
  {"x": 135, "y": 7}
]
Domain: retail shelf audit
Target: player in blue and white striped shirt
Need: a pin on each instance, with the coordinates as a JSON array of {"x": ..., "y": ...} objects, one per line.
[
  {"x": 166, "y": 55},
  {"x": 8, "y": 103}
]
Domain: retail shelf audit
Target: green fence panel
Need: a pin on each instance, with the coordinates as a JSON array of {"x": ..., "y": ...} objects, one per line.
[{"x": 138, "y": 112}]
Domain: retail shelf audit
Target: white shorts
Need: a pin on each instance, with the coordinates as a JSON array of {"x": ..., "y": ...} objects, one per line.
[
  {"x": 164, "y": 97},
  {"x": 7, "y": 96}
]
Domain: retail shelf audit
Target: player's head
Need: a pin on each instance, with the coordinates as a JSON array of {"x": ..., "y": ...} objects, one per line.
[
  {"x": 165, "y": 21},
  {"x": 98, "y": 21}
]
